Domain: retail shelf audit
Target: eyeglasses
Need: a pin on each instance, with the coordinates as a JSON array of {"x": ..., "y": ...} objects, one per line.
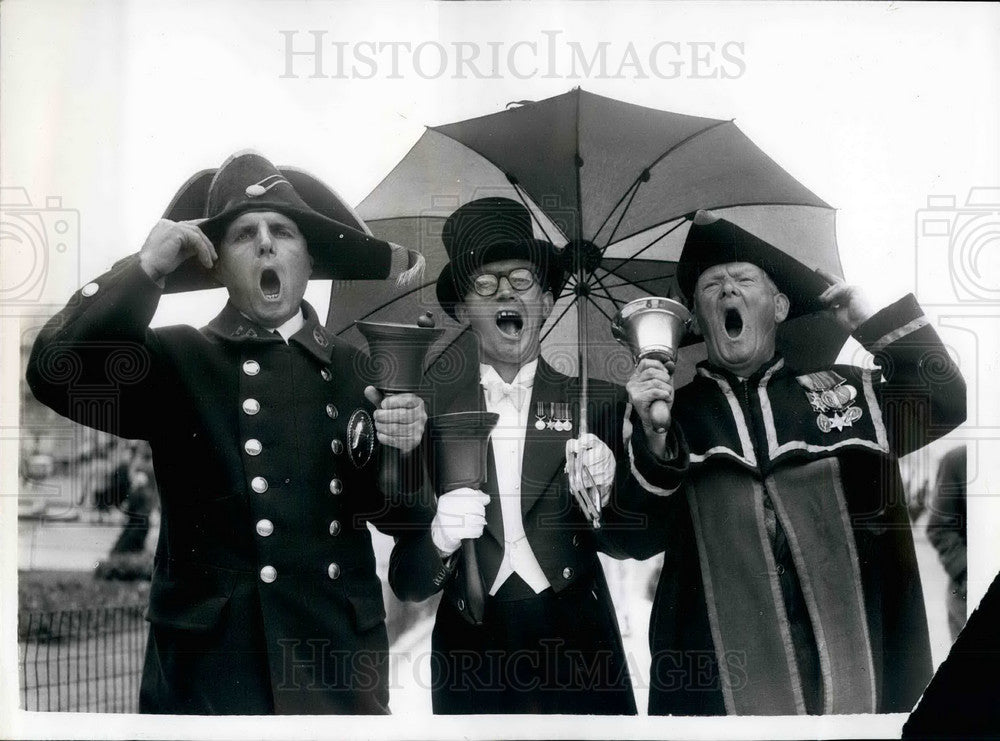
[{"x": 520, "y": 279}]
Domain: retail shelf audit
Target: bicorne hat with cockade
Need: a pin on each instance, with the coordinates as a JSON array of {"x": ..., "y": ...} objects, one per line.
[
  {"x": 712, "y": 240},
  {"x": 489, "y": 230},
  {"x": 339, "y": 241}
]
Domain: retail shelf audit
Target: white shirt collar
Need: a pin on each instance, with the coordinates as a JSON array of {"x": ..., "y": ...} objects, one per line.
[
  {"x": 293, "y": 325},
  {"x": 525, "y": 377}
]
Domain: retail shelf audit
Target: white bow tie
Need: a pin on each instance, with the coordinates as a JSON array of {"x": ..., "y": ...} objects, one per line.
[{"x": 497, "y": 391}]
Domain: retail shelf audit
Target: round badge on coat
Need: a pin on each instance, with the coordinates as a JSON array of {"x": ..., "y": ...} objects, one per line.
[{"x": 360, "y": 438}]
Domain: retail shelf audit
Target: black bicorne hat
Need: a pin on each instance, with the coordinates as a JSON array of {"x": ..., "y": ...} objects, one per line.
[
  {"x": 340, "y": 244},
  {"x": 713, "y": 241},
  {"x": 489, "y": 230}
]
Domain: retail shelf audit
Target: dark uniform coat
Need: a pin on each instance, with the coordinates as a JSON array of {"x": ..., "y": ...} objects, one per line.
[
  {"x": 564, "y": 543},
  {"x": 264, "y": 595},
  {"x": 790, "y": 582}
]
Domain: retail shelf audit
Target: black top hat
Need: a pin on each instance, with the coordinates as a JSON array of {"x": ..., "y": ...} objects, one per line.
[
  {"x": 489, "y": 230},
  {"x": 338, "y": 240},
  {"x": 713, "y": 241}
]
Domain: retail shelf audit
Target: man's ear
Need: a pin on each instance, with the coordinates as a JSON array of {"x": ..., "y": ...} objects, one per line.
[
  {"x": 695, "y": 327},
  {"x": 781, "y": 306},
  {"x": 547, "y": 303},
  {"x": 462, "y": 312}
]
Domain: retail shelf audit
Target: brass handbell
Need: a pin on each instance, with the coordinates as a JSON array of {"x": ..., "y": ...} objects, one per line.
[{"x": 652, "y": 327}]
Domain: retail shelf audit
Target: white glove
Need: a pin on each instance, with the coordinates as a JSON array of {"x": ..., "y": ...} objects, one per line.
[
  {"x": 590, "y": 466},
  {"x": 460, "y": 514}
]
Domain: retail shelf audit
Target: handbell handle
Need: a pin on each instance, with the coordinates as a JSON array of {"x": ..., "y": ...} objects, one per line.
[
  {"x": 474, "y": 588},
  {"x": 659, "y": 414}
]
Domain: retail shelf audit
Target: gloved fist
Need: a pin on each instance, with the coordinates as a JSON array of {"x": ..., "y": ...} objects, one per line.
[
  {"x": 590, "y": 467},
  {"x": 460, "y": 514}
]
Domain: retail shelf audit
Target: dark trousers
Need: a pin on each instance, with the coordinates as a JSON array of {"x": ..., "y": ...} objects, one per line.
[{"x": 547, "y": 653}]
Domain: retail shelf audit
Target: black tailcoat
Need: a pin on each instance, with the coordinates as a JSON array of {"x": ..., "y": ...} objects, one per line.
[{"x": 563, "y": 542}]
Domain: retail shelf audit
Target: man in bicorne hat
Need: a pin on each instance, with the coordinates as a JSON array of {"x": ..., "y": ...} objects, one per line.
[
  {"x": 789, "y": 583},
  {"x": 264, "y": 597},
  {"x": 549, "y": 640}
]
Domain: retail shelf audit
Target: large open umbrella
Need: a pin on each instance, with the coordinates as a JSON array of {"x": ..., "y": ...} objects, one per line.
[{"x": 615, "y": 185}]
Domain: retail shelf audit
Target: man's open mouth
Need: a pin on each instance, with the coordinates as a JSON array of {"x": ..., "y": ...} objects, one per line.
[
  {"x": 510, "y": 323},
  {"x": 734, "y": 323},
  {"x": 270, "y": 284}
]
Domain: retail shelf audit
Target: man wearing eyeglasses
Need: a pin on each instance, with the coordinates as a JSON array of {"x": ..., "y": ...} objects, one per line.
[{"x": 549, "y": 639}]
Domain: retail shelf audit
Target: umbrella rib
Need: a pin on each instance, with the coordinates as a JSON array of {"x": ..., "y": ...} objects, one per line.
[
  {"x": 632, "y": 189},
  {"x": 596, "y": 306},
  {"x": 640, "y": 177},
  {"x": 559, "y": 318},
  {"x": 710, "y": 207},
  {"x": 607, "y": 293},
  {"x": 629, "y": 259},
  {"x": 629, "y": 282},
  {"x": 638, "y": 281},
  {"x": 635, "y": 191},
  {"x": 520, "y": 194},
  {"x": 386, "y": 303}
]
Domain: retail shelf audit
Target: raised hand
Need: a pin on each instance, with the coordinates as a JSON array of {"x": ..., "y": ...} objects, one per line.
[
  {"x": 652, "y": 382},
  {"x": 846, "y": 303},
  {"x": 172, "y": 242}
]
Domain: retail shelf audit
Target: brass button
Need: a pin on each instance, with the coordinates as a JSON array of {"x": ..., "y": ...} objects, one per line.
[
  {"x": 253, "y": 446},
  {"x": 326, "y": 374},
  {"x": 331, "y": 411},
  {"x": 460, "y": 604},
  {"x": 780, "y": 569},
  {"x": 251, "y": 406},
  {"x": 337, "y": 447},
  {"x": 264, "y": 528},
  {"x": 333, "y": 571},
  {"x": 268, "y": 574},
  {"x": 336, "y": 486},
  {"x": 258, "y": 484},
  {"x": 251, "y": 367},
  {"x": 576, "y": 539},
  {"x": 335, "y": 528},
  {"x": 567, "y": 573},
  {"x": 90, "y": 289}
]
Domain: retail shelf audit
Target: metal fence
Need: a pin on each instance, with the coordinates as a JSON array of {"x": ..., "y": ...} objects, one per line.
[{"x": 82, "y": 660}]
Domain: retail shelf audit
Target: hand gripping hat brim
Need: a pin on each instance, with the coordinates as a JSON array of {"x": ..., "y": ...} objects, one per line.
[
  {"x": 339, "y": 241},
  {"x": 712, "y": 241},
  {"x": 490, "y": 230}
]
